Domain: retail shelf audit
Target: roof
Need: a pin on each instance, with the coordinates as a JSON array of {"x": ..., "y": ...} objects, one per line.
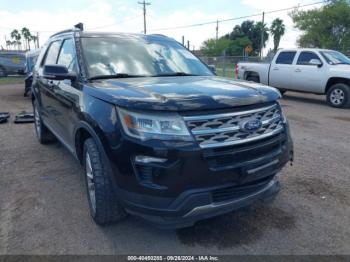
[
  {"x": 79, "y": 33},
  {"x": 305, "y": 49}
]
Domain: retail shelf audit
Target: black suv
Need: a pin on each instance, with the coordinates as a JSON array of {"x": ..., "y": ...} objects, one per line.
[{"x": 159, "y": 135}]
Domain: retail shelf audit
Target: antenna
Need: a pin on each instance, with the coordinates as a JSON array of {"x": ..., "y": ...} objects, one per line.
[{"x": 80, "y": 26}]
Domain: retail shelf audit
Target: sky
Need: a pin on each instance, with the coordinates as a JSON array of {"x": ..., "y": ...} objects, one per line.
[{"x": 50, "y": 16}]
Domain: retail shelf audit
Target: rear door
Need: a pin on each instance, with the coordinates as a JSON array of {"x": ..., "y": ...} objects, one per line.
[
  {"x": 308, "y": 77},
  {"x": 281, "y": 70}
]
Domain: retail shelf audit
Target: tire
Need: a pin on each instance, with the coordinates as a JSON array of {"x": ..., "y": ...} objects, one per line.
[
  {"x": 103, "y": 202},
  {"x": 3, "y": 72},
  {"x": 339, "y": 96},
  {"x": 253, "y": 79},
  {"x": 43, "y": 134},
  {"x": 282, "y": 92}
]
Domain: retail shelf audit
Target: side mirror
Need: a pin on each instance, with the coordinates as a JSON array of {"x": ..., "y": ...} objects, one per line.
[
  {"x": 57, "y": 72},
  {"x": 315, "y": 62},
  {"x": 212, "y": 68}
]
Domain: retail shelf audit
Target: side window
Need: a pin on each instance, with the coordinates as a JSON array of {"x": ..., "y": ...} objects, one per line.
[
  {"x": 51, "y": 55},
  {"x": 67, "y": 55},
  {"x": 285, "y": 58},
  {"x": 305, "y": 57}
]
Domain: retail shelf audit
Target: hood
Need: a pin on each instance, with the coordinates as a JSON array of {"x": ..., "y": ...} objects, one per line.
[
  {"x": 344, "y": 70},
  {"x": 180, "y": 93}
]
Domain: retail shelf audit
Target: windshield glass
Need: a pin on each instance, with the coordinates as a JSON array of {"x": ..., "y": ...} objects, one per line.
[
  {"x": 334, "y": 57},
  {"x": 139, "y": 57}
]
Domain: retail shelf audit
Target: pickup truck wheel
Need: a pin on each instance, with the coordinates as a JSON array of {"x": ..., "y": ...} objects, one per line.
[
  {"x": 339, "y": 95},
  {"x": 103, "y": 202},
  {"x": 253, "y": 79},
  {"x": 43, "y": 134},
  {"x": 3, "y": 72}
]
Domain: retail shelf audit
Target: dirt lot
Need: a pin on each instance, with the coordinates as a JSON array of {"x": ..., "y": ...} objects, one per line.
[{"x": 44, "y": 210}]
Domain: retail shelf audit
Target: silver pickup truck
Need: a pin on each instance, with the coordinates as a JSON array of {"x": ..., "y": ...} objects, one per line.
[
  {"x": 318, "y": 71},
  {"x": 12, "y": 62}
]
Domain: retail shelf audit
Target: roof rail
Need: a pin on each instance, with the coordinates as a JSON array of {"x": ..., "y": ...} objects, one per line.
[{"x": 76, "y": 28}]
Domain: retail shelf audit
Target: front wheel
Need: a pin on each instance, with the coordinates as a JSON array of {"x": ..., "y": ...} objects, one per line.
[
  {"x": 339, "y": 95},
  {"x": 103, "y": 202}
]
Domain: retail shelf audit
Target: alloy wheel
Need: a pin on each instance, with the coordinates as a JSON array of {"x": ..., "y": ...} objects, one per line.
[{"x": 337, "y": 97}]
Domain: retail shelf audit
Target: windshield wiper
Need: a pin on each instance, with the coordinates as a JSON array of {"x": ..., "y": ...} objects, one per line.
[
  {"x": 120, "y": 75},
  {"x": 175, "y": 74}
]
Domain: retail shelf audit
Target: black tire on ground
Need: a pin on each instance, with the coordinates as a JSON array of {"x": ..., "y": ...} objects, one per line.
[
  {"x": 43, "y": 134},
  {"x": 103, "y": 202},
  {"x": 3, "y": 72},
  {"x": 282, "y": 91},
  {"x": 253, "y": 79},
  {"x": 339, "y": 96}
]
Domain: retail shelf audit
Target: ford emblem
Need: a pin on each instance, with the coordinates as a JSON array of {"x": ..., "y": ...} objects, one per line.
[{"x": 251, "y": 125}]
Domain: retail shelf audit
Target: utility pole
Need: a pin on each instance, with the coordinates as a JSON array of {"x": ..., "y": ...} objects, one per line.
[
  {"x": 144, "y": 3},
  {"x": 183, "y": 40},
  {"x": 37, "y": 39},
  {"x": 188, "y": 44},
  {"x": 262, "y": 35},
  {"x": 217, "y": 30}
]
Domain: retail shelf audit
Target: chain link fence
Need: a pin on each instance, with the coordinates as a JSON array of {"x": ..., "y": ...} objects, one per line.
[{"x": 225, "y": 65}]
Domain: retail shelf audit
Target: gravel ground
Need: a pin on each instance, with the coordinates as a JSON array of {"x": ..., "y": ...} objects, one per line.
[{"x": 44, "y": 210}]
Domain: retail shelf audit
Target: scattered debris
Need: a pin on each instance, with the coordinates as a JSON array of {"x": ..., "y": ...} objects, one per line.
[
  {"x": 24, "y": 118},
  {"x": 4, "y": 116}
]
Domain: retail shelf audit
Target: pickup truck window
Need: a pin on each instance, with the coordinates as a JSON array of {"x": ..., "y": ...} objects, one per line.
[
  {"x": 285, "y": 58},
  {"x": 305, "y": 58},
  {"x": 139, "y": 57},
  {"x": 335, "y": 58}
]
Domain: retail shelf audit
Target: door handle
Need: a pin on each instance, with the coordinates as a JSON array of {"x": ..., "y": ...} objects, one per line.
[
  {"x": 275, "y": 69},
  {"x": 297, "y": 70}
]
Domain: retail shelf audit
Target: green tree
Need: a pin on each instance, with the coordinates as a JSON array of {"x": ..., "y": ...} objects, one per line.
[
  {"x": 252, "y": 31},
  {"x": 27, "y": 36},
  {"x": 325, "y": 27},
  {"x": 277, "y": 29},
  {"x": 35, "y": 41},
  {"x": 17, "y": 37},
  {"x": 213, "y": 47}
]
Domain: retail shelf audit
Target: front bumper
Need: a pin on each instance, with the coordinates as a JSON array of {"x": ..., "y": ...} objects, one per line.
[{"x": 194, "y": 183}]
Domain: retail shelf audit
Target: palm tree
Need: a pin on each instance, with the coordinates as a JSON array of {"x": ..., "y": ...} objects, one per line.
[
  {"x": 35, "y": 39},
  {"x": 17, "y": 37},
  {"x": 8, "y": 44},
  {"x": 27, "y": 36},
  {"x": 277, "y": 29}
]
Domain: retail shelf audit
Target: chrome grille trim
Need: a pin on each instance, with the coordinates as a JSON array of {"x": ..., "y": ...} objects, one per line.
[
  {"x": 208, "y": 117},
  {"x": 218, "y": 130}
]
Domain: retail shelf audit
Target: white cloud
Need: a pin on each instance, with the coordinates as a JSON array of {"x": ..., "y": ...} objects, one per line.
[{"x": 127, "y": 17}]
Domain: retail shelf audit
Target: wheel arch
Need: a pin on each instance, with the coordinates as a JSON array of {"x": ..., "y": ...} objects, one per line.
[
  {"x": 251, "y": 73},
  {"x": 81, "y": 133},
  {"x": 335, "y": 80}
]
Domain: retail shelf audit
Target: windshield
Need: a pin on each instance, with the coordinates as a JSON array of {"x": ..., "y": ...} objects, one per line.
[
  {"x": 335, "y": 58},
  {"x": 139, "y": 57}
]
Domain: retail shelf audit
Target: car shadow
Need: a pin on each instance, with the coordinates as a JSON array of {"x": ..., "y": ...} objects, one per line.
[
  {"x": 311, "y": 100},
  {"x": 241, "y": 227}
]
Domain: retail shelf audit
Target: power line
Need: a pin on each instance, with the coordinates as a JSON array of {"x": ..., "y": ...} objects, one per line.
[
  {"x": 237, "y": 18},
  {"x": 144, "y": 15},
  {"x": 116, "y": 23}
]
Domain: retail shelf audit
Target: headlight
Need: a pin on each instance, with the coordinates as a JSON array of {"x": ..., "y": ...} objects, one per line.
[{"x": 162, "y": 126}]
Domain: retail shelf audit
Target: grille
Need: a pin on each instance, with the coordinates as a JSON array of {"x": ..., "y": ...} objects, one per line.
[{"x": 216, "y": 130}]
